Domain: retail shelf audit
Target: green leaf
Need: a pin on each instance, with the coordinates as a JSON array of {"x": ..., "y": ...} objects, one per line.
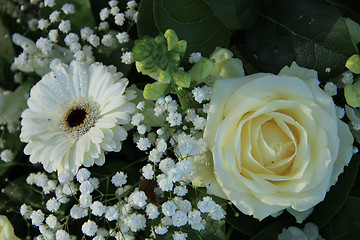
[
  {"x": 6, "y": 47},
  {"x": 345, "y": 223},
  {"x": 353, "y": 64},
  {"x": 236, "y": 14},
  {"x": 192, "y": 21},
  {"x": 244, "y": 223},
  {"x": 271, "y": 231},
  {"x": 155, "y": 90},
  {"x": 311, "y": 32},
  {"x": 145, "y": 21},
  {"x": 19, "y": 191},
  {"x": 335, "y": 198}
]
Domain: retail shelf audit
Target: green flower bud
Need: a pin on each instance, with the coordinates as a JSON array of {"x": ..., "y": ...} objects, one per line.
[
  {"x": 153, "y": 91},
  {"x": 225, "y": 65},
  {"x": 181, "y": 78},
  {"x": 352, "y": 94},
  {"x": 353, "y": 64},
  {"x": 201, "y": 70}
]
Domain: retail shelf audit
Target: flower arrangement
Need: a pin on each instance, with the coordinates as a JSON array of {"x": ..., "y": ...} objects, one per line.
[{"x": 197, "y": 119}]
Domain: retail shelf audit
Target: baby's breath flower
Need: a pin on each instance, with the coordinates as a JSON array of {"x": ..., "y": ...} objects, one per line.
[{"x": 119, "y": 179}]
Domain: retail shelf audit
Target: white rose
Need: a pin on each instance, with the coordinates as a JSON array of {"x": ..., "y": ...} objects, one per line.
[
  {"x": 6, "y": 229},
  {"x": 276, "y": 143}
]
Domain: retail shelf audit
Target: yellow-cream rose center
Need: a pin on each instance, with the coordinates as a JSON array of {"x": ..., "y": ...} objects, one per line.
[{"x": 268, "y": 145}]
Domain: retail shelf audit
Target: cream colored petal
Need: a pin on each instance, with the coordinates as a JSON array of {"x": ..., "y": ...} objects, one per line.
[{"x": 95, "y": 134}]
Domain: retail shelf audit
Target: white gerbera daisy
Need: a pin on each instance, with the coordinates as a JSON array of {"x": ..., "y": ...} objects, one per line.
[{"x": 75, "y": 113}]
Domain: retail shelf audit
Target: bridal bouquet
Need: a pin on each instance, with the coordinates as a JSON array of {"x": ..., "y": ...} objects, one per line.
[{"x": 162, "y": 119}]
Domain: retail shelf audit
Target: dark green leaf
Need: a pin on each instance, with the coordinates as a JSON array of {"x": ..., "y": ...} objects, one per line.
[
  {"x": 19, "y": 191},
  {"x": 6, "y": 78},
  {"x": 6, "y": 47},
  {"x": 345, "y": 223},
  {"x": 345, "y": 10},
  {"x": 271, "y": 231},
  {"x": 312, "y": 33},
  {"x": 244, "y": 223},
  {"x": 145, "y": 21},
  {"x": 334, "y": 200},
  {"x": 192, "y": 21},
  {"x": 236, "y": 14}
]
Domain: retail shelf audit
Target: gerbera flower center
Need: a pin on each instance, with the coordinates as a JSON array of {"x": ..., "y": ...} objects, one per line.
[
  {"x": 79, "y": 118},
  {"x": 76, "y": 117}
]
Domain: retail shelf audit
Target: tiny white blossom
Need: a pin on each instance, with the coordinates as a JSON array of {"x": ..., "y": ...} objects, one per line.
[
  {"x": 217, "y": 213},
  {"x": 62, "y": 235},
  {"x": 37, "y": 217},
  {"x": 143, "y": 144},
  {"x": 155, "y": 155},
  {"x": 104, "y": 26},
  {"x": 147, "y": 171},
  {"x": 141, "y": 129},
  {"x": 94, "y": 40},
  {"x": 65, "y": 176},
  {"x": 25, "y": 211},
  {"x": 82, "y": 175},
  {"x": 141, "y": 105},
  {"x": 152, "y": 211},
  {"x": 111, "y": 213},
  {"x": 85, "y": 200},
  {"x": 97, "y": 208},
  {"x": 179, "y": 218},
  {"x": 168, "y": 208},
  {"x": 33, "y": 24},
  {"x": 43, "y": 24},
  {"x": 113, "y": 3},
  {"x": 52, "y": 204},
  {"x": 174, "y": 119},
  {"x": 68, "y": 8},
  {"x": 127, "y": 58},
  {"x": 49, "y": 3},
  {"x": 161, "y": 145},
  {"x": 69, "y": 189},
  {"x": 179, "y": 236},
  {"x": 136, "y": 222},
  {"x": 64, "y": 26},
  {"x": 340, "y": 112},
  {"x": 137, "y": 119},
  {"x": 104, "y": 14},
  {"x": 7, "y": 155},
  {"x": 89, "y": 228},
  {"x": 347, "y": 78},
  {"x": 52, "y": 222},
  {"x": 138, "y": 198},
  {"x": 53, "y": 35},
  {"x": 166, "y": 164},
  {"x": 86, "y": 32},
  {"x": 180, "y": 191},
  {"x": 119, "y": 19},
  {"x": 122, "y": 37},
  {"x": 206, "y": 204},
  {"x": 78, "y": 212},
  {"x": 114, "y": 10},
  {"x": 194, "y": 57},
  {"x": 119, "y": 179},
  {"x": 161, "y": 229},
  {"x": 54, "y": 16},
  {"x": 330, "y": 88},
  {"x": 107, "y": 40}
]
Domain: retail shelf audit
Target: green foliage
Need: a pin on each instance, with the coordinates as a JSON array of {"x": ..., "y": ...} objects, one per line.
[
  {"x": 192, "y": 21},
  {"x": 337, "y": 196},
  {"x": 353, "y": 64},
  {"x": 346, "y": 223},
  {"x": 155, "y": 90},
  {"x": 312, "y": 33},
  {"x": 18, "y": 191},
  {"x": 271, "y": 231},
  {"x": 236, "y": 14},
  {"x": 6, "y": 48}
]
